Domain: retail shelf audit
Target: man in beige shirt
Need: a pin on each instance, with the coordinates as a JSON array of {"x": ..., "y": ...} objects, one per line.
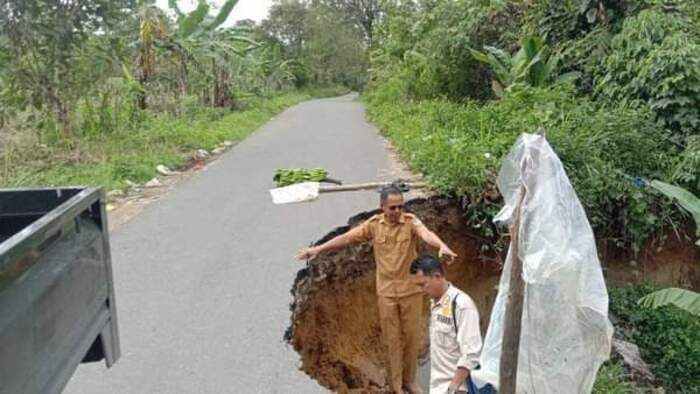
[
  {"x": 395, "y": 236},
  {"x": 455, "y": 339}
]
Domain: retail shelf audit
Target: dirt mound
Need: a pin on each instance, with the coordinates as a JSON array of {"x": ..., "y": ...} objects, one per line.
[{"x": 335, "y": 322}]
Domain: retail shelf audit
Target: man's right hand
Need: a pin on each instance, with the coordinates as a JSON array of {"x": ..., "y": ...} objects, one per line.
[{"x": 307, "y": 254}]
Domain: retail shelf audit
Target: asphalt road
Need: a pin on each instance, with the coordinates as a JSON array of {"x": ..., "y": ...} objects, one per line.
[{"x": 203, "y": 275}]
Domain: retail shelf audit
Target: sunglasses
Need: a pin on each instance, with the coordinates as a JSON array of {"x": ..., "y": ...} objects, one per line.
[{"x": 395, "y": 207}]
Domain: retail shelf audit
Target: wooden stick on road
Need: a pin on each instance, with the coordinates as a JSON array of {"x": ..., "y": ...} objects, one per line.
[{"x": 366, "y": 186}]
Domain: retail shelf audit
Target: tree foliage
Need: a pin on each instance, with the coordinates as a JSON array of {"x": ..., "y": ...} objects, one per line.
[
  {"x": 322, "y": 38},
  {"x": 51, "y": 50},
  {"x": 655, "y": 59},
  {"x": 668, "y": 337},
  {"x": 532, "y": 65},
  {"x": 361, "y": 13},
  {"x": 687, "y": 300},
  {"x": 447, "y": 62},
  {"x": 90, "y": 64}
]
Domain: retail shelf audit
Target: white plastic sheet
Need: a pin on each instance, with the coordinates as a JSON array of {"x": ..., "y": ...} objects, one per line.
[
  {"x": 300, "y": 192},
  {"x": 566, "y": 333}
]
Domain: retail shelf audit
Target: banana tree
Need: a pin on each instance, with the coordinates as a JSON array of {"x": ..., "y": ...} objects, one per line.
[
  {"x": 198, "y": 21},
  {"x": 153, "y": 27},
  {"x": 531, "y": 65},
  {"x": 687, "y": 300},
  {"x": 225, "y": 50},
  {"x": 201, "y": 41},
  {"x": 684, "y": 198},
  {"x": 681, "y": 298}
]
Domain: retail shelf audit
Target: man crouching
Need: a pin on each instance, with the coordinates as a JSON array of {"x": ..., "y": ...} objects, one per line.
[{"x": 455, "y": 339}]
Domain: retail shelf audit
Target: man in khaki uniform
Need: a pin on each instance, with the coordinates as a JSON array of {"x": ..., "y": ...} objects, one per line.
[
  {"x": 455, "y": 339},
  {"x": 395, "y": 236}
]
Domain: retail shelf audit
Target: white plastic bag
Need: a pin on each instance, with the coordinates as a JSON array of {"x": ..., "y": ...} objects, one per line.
[
  {"x": 300, "y": 192},
  {"x": 566, "y": 333}
]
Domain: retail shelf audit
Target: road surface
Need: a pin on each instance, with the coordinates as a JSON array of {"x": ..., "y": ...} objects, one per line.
[{"x": 203, "y": 275}]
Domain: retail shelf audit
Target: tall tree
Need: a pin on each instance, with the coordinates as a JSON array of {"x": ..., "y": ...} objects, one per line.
[
  {"x": 194, "y": 38},
  {"x": 286, "y": 22},
  {"x": 363, "y": 13},
  {"x": 335, "y": 52}
]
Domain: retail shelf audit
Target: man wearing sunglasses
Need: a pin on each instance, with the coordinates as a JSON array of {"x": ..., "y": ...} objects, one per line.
[{"x": 395, "y": 239}]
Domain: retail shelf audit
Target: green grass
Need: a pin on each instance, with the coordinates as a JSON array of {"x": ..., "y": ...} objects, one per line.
[
  {"x": 611, "y": 380},
  {"x": 668, "y": 337},
  {"x": 459, "y": 148},
  {"x": 110, "y": 159}
]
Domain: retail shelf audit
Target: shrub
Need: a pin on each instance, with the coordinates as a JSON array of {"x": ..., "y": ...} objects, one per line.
[
  {"x": 458, "y": 147},
  {"x": 426, "y": 52},
  {"x": 655, "y": 59},
  {"x": 612, "y": 379},
  {"x": 668, "y": 337}
]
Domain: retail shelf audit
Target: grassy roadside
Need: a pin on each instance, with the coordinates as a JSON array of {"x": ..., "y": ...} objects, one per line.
[
  {"x": 459, "y": 147},
  {"x": 110, "y": 159}
]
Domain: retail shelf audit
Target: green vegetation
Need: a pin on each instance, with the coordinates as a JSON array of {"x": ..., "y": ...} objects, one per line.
[
  {"x": 612, "y": 380},
  {"x": 686, "y": 300},
  {"x": 591, "y": 75},
  {"x": 291, "y": 176},
  {"x": 459, "y": 146},
  {"x": 615, "y": 85},
  {"x": 668, "y": 337},
  {"x": 110, "y": 159},
  {"x": 101, "y": 92},
  {"x": 532, "y": 65},
  {"x": 655, "y": 60},
  {"x": 685, "y": 199}
]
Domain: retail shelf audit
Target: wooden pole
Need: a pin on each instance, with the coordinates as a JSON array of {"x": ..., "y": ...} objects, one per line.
[
  {"x": 365, "y": 186},
  {"x": 508, "y": 368}
]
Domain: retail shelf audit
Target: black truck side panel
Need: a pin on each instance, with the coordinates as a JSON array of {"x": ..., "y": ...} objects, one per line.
[{"x": 56, "y": 289}]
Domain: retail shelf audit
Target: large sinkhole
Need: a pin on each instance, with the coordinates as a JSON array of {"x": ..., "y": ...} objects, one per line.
[{"x": 335, "y": 322}]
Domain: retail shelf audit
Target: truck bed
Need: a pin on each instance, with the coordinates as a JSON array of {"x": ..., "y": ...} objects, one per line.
[{"x": 57, "y": 305}]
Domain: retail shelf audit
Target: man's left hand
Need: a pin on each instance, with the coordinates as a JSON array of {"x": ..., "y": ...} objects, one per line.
[{"x": 446, "y": 251}]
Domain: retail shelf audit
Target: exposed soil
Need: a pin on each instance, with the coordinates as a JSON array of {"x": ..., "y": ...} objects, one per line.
[{"x": 334, "y": 323}]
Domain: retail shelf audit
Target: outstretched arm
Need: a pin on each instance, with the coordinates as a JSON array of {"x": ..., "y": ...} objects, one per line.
[
  {"x": 357, "y": 234},
  {"x": 433, "y": 240}
]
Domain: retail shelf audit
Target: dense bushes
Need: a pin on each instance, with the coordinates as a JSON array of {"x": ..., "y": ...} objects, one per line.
[
  {"x": 131, "y": 152},
  {"x": 655, "y": 59},
  {"x": 459, "y": 147},
  {"x": 668, "y": 338},
  {"x": 612, "y": 379},
  {"x": 430, "y": 56},
  {"x": 633, "y": 111}
]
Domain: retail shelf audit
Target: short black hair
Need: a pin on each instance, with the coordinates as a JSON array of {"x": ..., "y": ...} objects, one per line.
[
  {"x": 428, "y": 265},
  {"x": 387, "y": 191}
]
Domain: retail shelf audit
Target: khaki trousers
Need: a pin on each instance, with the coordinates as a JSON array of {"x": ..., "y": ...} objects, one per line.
[{"x": 399, "y": 319}]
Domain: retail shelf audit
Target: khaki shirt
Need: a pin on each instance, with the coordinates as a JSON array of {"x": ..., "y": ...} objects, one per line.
[
  {"x": 395, "y": 247},
  {"x": 449, "y": 350}
]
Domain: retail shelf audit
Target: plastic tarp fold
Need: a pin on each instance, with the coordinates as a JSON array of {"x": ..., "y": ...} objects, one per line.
[{"x": 566, "y": 334}]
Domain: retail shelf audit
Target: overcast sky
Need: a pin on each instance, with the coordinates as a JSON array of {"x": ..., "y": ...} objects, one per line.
[{"x": 245, "y": 9}]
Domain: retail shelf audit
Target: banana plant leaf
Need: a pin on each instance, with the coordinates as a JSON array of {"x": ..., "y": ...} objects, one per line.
[
  {"x": 687, "y": 300},
  {"x": 223, "y": 14},
  {"x": 685, "y": 199}
]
